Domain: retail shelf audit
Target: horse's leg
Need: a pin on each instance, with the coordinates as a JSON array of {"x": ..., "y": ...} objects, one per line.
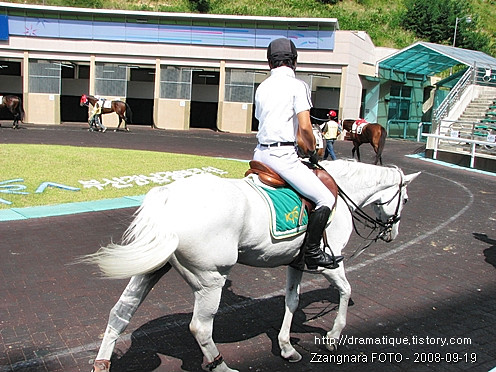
[
  {"x": 338, "y": 277},
  {"x": 120, "y": 315},
  {"x": 293, "y": 280},
  {"x": 358, "y": 152},
  {"x": 15, "y": 123},
  {"x": 207, "y": 287},
  {"x": 207, "y": 301},
  {"x": 338, "y": 235},
  {"x": 377, "y": 155},
  {"x": 125, "y": 123},
  {"x": 119, "y": 125},
  {"x": 206, "y": 305}
]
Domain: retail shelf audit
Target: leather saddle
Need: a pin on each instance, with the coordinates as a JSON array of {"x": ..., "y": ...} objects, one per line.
[{"x": 269, "y": 177}]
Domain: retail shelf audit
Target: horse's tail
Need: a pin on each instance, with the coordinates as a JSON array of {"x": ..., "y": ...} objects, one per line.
[
  {"x": 382, "y": 141},
  {"x": 147, "y": 244},
  {"x": 129, "y": 114}
]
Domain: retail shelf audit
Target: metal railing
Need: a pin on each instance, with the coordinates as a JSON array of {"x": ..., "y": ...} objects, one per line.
[
  {"x": 479, "y": 131},
  {"x": 473, "y": 145},
  {"x": 454, "y": 96},
  {"x": 407, "y": 129}
]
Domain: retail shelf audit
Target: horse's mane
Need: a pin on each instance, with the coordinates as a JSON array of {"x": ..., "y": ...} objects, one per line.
[{"x": 350, "y": 168}]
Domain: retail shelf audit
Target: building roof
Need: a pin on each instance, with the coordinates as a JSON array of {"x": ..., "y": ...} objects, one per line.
[
  {"x": 145, "y": 16},
  {"x": 428, "y": 59}
]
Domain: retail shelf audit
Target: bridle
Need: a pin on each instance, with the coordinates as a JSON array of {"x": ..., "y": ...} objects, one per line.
[{"x": 374, "y": 224}]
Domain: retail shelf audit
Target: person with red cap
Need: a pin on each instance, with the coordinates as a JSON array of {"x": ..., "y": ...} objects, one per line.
[
  {"x": 282, "y": 106},
  {"x": 331, "y": 130}
]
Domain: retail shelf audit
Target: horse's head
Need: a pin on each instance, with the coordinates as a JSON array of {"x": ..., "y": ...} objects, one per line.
[
  {"x": 347, "y": 124},
  {"x": 389, "y": 205},
  {"x": 84, "y": 100}
]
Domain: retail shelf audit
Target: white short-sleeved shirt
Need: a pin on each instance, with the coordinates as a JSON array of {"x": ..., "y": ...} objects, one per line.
[{"x": 278, "y": 100}]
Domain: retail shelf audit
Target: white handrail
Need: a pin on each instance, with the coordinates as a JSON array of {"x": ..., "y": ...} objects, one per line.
[
  {"x": 454, "y": 95},
  {"x": 456, "y": 139}
]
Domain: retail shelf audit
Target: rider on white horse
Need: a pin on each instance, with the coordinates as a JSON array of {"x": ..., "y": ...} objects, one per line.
[{"x": 283, "y": 109}]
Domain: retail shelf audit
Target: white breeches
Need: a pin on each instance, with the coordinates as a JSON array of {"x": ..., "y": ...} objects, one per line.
[{"x": 288, "y": 165}]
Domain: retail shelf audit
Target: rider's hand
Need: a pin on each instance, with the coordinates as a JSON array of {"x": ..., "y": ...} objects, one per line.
[{"x": 314, "y": 158}]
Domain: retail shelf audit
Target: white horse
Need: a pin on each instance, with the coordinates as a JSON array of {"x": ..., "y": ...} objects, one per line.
[{"x": 203, "y": 225}]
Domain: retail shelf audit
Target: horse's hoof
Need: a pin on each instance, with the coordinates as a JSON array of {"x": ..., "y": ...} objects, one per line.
[
  {"x": 292, "y": 357},
  {"x": 101, "y": 366},
  {"x": 332, "y": 346}
]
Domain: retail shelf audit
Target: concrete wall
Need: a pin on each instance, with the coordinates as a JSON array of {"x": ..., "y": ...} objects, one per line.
[
  {"x": 235, "y": 117},
  {"x": 172, "y": 114},
  {"x": 43, "y": 108}
]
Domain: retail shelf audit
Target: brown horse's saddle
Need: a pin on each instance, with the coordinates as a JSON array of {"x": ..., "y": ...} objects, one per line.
[
  {"x": 269, "y": 177},
  {"x": 356, "y": 129}
]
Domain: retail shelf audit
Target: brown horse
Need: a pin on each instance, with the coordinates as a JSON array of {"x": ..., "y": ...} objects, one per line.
[
  {"x": 121, "y": 108},
  {"x": 14, "y": 105},
  {"x": 372, "y": 133}
]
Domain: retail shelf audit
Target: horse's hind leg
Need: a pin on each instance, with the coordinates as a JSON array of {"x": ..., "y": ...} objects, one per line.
[
  {"x": 125, "y": 124},
  {"x": 207, "y": 299},
  {"x": 119, "y": 125},
  {"x": 120, "y": 315},
  {"x": 357, "y": 148},
  {"x": 378, "y": 157},
  {"x": 338, "y": 277},
  {"x": 293, "y": 279}
]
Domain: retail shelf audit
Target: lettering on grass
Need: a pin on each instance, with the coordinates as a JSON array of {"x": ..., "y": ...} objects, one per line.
[
  {"x": 15, "y": 186},
  {"x": 159, "y": 178}
]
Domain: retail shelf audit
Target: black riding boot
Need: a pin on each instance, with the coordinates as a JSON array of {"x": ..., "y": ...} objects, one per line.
[{"x": 314, "y": 256}]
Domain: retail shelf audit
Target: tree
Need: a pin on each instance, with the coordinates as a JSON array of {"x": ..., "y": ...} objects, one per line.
[
  {"x": 202, "y": 6},
  {"x": 435, "y": 21}
]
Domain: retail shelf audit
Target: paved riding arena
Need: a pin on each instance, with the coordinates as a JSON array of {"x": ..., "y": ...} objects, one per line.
[{"x": 424, "y": 302}]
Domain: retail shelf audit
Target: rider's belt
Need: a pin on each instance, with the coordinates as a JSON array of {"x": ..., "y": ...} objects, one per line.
[{"x": 277, "y": 144}]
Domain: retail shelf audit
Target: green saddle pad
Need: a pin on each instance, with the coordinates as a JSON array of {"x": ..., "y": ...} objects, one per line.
[{"x": 285, "y": 209}]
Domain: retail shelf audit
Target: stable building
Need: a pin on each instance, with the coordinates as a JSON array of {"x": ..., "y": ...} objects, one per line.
[{"x": 176, "y": 71}]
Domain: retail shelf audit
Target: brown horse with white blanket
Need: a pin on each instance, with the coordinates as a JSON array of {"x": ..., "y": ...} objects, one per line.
[
  {"x": 121, "y": 108},
  {"x": 359, "y": 131}
]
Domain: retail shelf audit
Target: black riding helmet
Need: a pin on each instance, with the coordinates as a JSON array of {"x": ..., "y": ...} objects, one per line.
[{"x": 281, "y": 49}]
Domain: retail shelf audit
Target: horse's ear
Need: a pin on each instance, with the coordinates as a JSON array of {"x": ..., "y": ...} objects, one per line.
[{"x": 409, "y": 178}]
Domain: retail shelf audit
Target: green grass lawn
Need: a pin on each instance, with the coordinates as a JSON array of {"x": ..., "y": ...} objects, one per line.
[{"x": 109, "y": 169}]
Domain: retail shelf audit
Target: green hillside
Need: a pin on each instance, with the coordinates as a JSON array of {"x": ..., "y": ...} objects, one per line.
[{"x": 383, "y": 20}]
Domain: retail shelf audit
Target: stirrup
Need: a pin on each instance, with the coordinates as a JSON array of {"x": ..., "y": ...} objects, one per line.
[
  {"x": 333, "y": 265},
  {"x": 335, "y": 260}
]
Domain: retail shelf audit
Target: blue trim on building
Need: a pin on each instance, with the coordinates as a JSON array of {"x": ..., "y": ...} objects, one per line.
[
  {"x": 4, "y": 27},
  {"x": 165, "y": 33}
]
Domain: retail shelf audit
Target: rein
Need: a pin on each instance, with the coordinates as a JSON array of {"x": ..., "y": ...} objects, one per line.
[
  {"x": 319, "y": 119},
  {"x": 359, "y": 215}
]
